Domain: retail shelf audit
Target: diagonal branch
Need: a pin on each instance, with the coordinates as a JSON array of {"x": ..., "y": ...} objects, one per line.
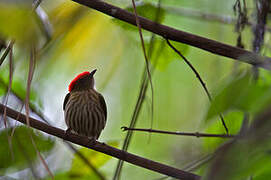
[
  {"x": 101, "y": 147},
  {"x": 180, "y": 36},
  {"x": 3, "y": 57},
  {"x": 36, "y": 111}
]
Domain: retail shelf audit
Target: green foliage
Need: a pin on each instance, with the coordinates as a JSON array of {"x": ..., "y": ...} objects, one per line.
[
  {"x": 2, "y": 91},
  {"x": 233, "y": 120},
  {"x": 14, "y": 18},
  {"x": 146, "y": 10},
  {"x": 162, "y": 55},
  {"x": 246, "y": 155},
  {"x": 265, "y": 174},
  {"x": 83, "y": 39},
  {"x": 79, "y": 169},
  {"x": 19, "y": 89},
  {"x": 241, "y": 93},
  {"x": 20, "y": 152}
]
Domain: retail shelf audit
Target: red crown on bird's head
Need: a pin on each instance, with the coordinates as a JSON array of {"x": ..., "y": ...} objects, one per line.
[{"x": 79, "y": 76}]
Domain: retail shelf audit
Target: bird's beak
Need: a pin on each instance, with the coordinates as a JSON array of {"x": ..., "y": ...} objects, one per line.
[{"x": 93, "y": 72}]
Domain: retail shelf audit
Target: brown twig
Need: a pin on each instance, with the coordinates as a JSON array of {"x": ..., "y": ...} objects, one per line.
[
  {"x": 195, "y": 134},
  {"x": 21, "y": 99},
  {"x": 140, "y": 98},
  {"x": 145, "y": 55},
  {"x": 3, "y": 57},
  {"x": 27, "y": 109},
  {"x": 5, "y": 99},
  {"x": 101, "y": 147},
  {"x": 146, "y": 59},
  {"x": 180, "y": 36},
  {"x": 199, "y": 15},
  {"x": 200, "y": 80},
  {"x": 262, "y": 10}
]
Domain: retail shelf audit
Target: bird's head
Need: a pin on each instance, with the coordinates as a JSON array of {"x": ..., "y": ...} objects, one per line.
[{"x": 83, "y": 81}]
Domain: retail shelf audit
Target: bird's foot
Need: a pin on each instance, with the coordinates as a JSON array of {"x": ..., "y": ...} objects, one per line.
[
  {"x": 92, "y": 141},
  {"x": 67, "y": 133}
]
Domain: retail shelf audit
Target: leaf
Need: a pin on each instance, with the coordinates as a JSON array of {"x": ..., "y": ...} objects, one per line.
[
  {"x": 146, "y": 10},
  {"x": 80, "y": 170},
  {"x": 234, "y": 122},
  {"x": 67, "y": 175},
  {"x": 15, "y": 17},
  {"x": 241, "y": 94},
  {"x": 2, "y": 91},
  {"x": 246, "y": 155},
  {"x": 19, "y": 88},
  {"x": 163, "y": 55},
  {"x": 65, "y": 16},
  {"x": 228, "y": 96},
  {"x": 265, "y": 174},
  {"x": 22, "y": 150}
]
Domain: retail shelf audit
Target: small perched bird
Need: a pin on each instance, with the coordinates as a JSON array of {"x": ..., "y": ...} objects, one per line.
[{"x": 84, "y": 108}]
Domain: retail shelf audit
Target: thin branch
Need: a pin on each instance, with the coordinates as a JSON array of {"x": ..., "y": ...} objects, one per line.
[
  {"x": 180, "y": 36},
  {"x": 262, "y": 10},
  {"x": 137, "y": 109},
  {"x": 196, "y": 14},
  {"x": 143, "y": 90},
  {"x": 11, "y": 68},
  {"x": 194, "y": 165},
  {"x": 200, "y": 80},
  {"x": 36, "y": 4},
  {"x": 27, "y": 109},
  {"x": 146, "y": 59},
  {"x": 29, "y": 80},
  {"x": 196, "y": 134},
  {"x": 101, "y": 147},
  {"x": 192, "y": 68},
  {"x": 3, "y": 57},
  {"x": 21, "y": 99},
  {"x": 10, "y": 47}
]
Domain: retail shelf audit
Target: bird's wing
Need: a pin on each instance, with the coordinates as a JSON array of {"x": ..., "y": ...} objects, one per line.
[
  {"x": 66, "y": 100},
  {"x": 103, "y": 105}
]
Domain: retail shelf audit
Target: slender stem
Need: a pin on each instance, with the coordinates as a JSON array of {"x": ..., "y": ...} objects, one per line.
[
  {"x": 146, "y": 59},
  {"x": 3, "y": 57},
  {"x": 101, "y": 147},
  {"x": 200, "y": 80},
  {"x": 195, "y": 134},
  {"x": 134, "y": 118},
  {"x": 199, "y": 15}
]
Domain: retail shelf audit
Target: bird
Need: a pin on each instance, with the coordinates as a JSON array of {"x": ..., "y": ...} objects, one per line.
[{"x": 84, "y": 108}]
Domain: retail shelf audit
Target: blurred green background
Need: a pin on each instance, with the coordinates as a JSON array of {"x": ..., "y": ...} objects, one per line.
[{"x": 71, "y": 39}]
